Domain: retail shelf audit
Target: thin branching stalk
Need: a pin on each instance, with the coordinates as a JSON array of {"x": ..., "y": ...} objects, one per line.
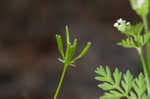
[
  {"x": 68, "y": 55},
  {"x": 61, "y": 81}
]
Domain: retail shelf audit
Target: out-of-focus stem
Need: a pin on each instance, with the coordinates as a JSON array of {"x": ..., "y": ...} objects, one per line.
[
  {"x": 145, "y": 22},
  {"x": 144, "y": 69}
]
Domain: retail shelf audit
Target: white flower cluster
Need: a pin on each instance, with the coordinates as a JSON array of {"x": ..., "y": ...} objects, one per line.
[
  {"x": 139, "y": 3},
  {"x": 121, "y": 22}
]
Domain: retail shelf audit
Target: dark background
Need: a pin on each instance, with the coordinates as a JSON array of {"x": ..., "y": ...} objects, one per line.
[{"x": 28, "y": 50}]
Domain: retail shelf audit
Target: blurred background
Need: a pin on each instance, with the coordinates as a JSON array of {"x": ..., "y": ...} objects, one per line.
[{"x": 28, "y": 50}]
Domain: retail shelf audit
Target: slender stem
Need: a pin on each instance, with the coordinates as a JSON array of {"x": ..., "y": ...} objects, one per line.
[
  {"x": 145, "y": 22},
  {"x": 61, "y": 81},
  {"x": 144, "y": 69}
]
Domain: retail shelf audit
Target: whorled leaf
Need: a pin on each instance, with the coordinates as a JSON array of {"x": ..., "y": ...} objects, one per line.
[{"x": 68, "y": 56}]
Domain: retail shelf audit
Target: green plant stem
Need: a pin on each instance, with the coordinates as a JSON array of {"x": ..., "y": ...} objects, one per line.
[
  {"x": 144, "y": 69},
  {"x": 61, "y": 81},
  {"x": 145, "y": 22}
]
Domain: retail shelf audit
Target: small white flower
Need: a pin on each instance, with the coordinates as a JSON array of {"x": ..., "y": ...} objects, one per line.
[
  {"x": 120, "y": 20},
  {"x": 116, "y": 24},
  {"x": 128, "y": 23},
  {"x": 121, "y": 24},
  {"x": 140, "y": 3}
]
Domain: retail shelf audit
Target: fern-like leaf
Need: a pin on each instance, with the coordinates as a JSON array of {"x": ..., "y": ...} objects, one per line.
[
  {"x": 117, "y": 87},
  {"x": 139, "y": 85}
]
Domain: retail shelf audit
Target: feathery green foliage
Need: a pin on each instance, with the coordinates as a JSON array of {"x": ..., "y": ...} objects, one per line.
[
  {"x": 130, "y": 87},
  {"x": 118, "y": 85},
  {"x": 135, "y": 38},
  {"x": 133, "y": 32}
]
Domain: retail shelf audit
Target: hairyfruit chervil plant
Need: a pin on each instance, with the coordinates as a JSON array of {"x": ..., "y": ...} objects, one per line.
[
  {"x": 67, "y": 57},
  {"x": 125, "y": 86}
]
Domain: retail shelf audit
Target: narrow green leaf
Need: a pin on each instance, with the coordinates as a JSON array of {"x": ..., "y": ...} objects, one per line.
[
  {"x": 100, "y": 78},
  {"x": 83, "y": 52},
  {"x": 73, "y": 49},
  {"x": 140, "y": 85},
  {"x": 112, "y": 95},
  {"x": 117, "y": 76},
  {"x": 100, "y": 71},
  {"x": 62, "y": 61},
  {"x": 70, "y": 52},
  {"x": 67, "y": 54},
  {"x": 106, "y": 86},
  {"x": 127, "y": 82},
  {"x": 104, "y": 75},
  {"x": 108, "y": 76},
  {"x": 67, "y": 34},
  {"x": 60, "y": 45}
]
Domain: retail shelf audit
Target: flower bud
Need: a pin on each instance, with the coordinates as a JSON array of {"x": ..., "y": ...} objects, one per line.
[
  {"x": 140, "y": 6},
  {"x": 122, "y": 25}
]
